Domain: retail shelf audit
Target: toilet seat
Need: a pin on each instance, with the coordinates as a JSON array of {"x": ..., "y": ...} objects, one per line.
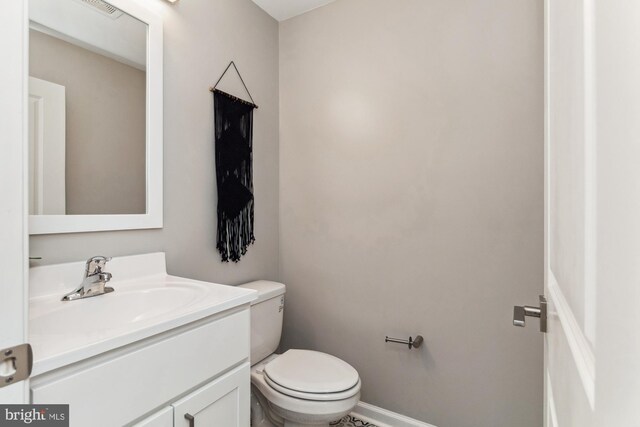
[
  {"x": 331, "y": 405},
  {"x": 317, "y": 397},
  {"x": 303, "y": 406},
  {"x": 312, "y": 375}
]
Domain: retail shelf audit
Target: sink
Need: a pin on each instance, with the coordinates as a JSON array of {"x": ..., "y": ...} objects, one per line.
[
  {"x": 124, "y": 308},
  {"x": 146, "y": 301}
]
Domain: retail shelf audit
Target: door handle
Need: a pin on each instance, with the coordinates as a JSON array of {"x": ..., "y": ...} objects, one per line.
[
  {"x": 520, "y": 313},
  {"x": 191, "y": 419}
]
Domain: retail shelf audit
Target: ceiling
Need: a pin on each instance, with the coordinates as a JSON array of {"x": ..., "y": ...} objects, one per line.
[
  {"x": 119, "y": 36},
  {"x": 285, "y": 9}
]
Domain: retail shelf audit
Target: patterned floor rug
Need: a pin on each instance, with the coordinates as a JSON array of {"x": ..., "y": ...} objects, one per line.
[{"x": 350, "y": 421}]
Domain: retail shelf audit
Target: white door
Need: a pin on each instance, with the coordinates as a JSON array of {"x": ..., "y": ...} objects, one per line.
[
  {"x": 13, "y": 216},
  {"x": 592, "y": 261},
  {"x": 47, "y": 140}
]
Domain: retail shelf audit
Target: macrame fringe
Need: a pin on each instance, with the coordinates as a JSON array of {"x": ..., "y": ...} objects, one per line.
[{"x": 235, "y": 234}]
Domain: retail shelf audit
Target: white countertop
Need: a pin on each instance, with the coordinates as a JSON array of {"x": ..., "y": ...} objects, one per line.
[{"x": 146, "y": 301}]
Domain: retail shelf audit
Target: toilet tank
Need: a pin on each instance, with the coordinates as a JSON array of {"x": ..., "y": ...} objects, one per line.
[{"x": 266, "y": 318}]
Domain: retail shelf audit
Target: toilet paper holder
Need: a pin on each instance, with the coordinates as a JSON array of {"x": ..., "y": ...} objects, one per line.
[{"x": 410, "y": 342}]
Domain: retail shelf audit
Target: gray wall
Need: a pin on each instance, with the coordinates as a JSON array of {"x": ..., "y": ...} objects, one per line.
[
  {"x": 411, "y": 153},
  {"x": 200, "y": 38},
  {"x": 109, "y": 124}
]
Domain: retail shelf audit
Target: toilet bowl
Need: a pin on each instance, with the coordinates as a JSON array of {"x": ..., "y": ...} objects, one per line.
[
  {"x": 298, "y": 387},
  {"x": 288, "y": 403}
]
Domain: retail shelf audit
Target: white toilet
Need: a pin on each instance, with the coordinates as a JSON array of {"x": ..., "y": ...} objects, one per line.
[{"x": 298, "y": 387}]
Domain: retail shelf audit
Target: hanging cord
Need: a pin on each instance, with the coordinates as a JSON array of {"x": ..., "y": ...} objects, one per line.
[{"x": 213, "y": 89}]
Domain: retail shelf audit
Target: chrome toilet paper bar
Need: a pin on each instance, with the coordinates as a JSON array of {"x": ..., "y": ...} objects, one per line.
[{"x": 410, "y": 342}]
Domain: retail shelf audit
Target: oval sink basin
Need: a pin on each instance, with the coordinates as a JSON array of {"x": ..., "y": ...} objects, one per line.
[{"x": 123, "y": 308}]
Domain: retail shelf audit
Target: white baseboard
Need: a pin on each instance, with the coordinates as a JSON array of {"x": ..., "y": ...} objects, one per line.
[{"x": 383, "y": 418}]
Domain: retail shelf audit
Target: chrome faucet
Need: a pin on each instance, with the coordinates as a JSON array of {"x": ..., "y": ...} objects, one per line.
[{"x": 94, "y": 280}]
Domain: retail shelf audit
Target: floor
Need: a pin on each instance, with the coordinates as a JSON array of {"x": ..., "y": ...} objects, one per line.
[{"x": 350, "y": 421}]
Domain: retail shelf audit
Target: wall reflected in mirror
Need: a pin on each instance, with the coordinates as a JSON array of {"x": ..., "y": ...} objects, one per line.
[{"x": 87, "y": 109}]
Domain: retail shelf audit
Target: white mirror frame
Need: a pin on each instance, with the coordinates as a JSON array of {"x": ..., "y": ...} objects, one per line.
[{"x": 54, "y": 224}]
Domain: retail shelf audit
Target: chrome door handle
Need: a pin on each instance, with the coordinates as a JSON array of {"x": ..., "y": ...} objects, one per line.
[{"x": 520, "y": 313}]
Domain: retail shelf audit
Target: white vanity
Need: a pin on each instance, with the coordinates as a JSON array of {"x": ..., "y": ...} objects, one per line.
[{"x": 158, "y": 351}]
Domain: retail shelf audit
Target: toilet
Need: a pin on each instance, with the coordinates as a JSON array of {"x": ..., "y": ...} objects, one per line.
[{"x": 297, "y": 387}]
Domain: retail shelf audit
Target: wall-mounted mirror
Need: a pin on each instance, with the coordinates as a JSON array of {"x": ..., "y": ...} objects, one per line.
[{"x": 95, "y": 116}]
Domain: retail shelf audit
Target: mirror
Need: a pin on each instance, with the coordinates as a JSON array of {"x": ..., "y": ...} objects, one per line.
[{"x": 95, "y": 116}]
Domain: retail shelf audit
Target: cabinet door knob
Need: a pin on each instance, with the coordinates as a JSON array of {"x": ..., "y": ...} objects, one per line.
[{"x": 191, "y": 419}]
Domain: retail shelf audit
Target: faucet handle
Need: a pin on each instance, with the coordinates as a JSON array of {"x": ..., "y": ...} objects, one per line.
[{"x": 96, "y": 264}]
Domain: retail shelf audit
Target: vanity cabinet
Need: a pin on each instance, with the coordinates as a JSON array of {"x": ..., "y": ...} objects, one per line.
[
  {"x": 200, "y": 369},
  {"x": 218, "y": 403}
]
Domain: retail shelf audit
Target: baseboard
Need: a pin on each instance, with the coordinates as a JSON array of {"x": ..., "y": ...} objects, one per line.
[{"x": 383, "y": 418}]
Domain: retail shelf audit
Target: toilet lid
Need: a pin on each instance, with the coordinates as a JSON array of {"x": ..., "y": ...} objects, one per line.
[{"x": 311, "y": 372}]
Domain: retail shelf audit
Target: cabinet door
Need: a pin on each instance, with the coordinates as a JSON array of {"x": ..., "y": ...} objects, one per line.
[
  {"x": 223, "y": 402},
  {"x": 162, "y": 418}
]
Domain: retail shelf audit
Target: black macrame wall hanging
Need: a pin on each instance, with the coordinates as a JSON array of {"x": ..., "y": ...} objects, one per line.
[{"x": 234, "y": 171}]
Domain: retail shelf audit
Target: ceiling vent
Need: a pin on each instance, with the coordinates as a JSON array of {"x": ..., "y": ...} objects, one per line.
[{"x": 103, "y": 7}]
